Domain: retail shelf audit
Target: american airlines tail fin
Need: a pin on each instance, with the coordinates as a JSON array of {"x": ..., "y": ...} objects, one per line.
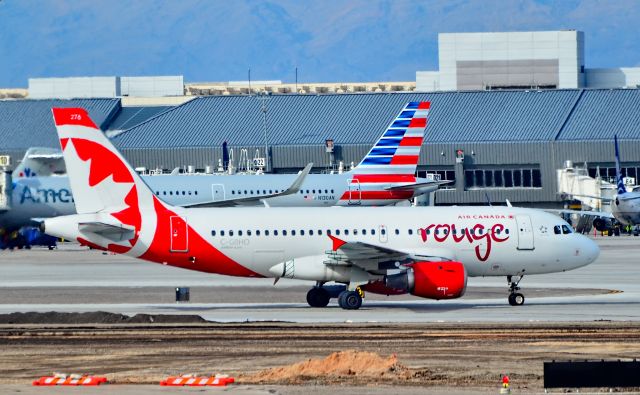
[
  {"x": 100, "y": 178},
  {"x": 619, "y": 181},
  {"x": 398, "y": 149}
]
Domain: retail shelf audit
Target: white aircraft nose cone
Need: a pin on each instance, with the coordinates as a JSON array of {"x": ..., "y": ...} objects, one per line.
[{"x": 590, "y": 249}]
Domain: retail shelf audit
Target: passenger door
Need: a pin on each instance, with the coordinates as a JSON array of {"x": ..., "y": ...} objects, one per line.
[
  {"x": 383, "y": 235},
  {"x": 355, "y": 194},
  {"x": 217, "y": 192},
  {"x": 525, "y": 232},
  {"x": 179, "y": 234}
]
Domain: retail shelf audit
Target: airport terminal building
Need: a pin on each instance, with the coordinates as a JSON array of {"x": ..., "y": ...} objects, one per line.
[{"x": 502, "y": 144}]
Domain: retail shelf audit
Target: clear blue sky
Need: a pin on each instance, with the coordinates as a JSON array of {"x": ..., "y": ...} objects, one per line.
[{"x": 328, "y": 40}]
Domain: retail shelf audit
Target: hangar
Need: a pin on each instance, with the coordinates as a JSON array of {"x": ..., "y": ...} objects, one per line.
[{"x": 503, "y": 144}]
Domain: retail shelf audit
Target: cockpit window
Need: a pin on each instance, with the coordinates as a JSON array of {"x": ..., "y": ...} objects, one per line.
[
  {"x": 556, "y": 230},
  {"x": 566, "y": 230}
]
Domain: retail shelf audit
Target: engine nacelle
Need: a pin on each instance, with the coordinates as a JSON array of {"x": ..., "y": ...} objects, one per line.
[
  {"x": 601, "y": 224},
  {"x": 432, "y": 280}
]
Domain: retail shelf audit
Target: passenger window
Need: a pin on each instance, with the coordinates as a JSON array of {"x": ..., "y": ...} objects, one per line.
[
  {"x": 257, "y": 232},
  {"x": 332, "y": 191},
  {"x": 313, "y": 191},
  {"x": 266, "y": 232},
  {"x": 506, "y": 231},
  {"x": 213, "y": 233},
  {"x": 355, "y": 232},
  {"x": 164, "y": 192},
  {"x": 239, "y": 233},
  {"x": 245, "y": 192},
  {"x": 566, "y": 230},
  {"x": 171, "y": 193},
  {"x": 410, "y": 231},
  {"x": 230, "y": 233},
  {"x": 270, "y": 191},
  {"x": 196, "y": 192},
  {"x": 293, "y": 232},
  {"x": 397, "y": 231},
  {"x": 319, "y": 232},
  {"x": 264, "y": 192},
  {"x": 326, "y": 191},
  {"x": 248, "y": 233},
  {"x": 337, "y": 232},
  {"x": 183, "y": 193},
  {"x": 233, "y": 192},
  {"x": 556, "y": 230},
  {"x": 157, "y": 193},
  {"x": 251, "y": 192},
  {"x": 189, "y": 193},
  {"x": 222, "y": 233},
  {"x": 364, "y": 232},
  {"x": 177, "y": 192},
  {"x": 284, "y": 232},
  {"x": 275, "y": 232},
  {"x": 383, "y": 231},
  {"x": 346, "y": 232},
  {"x": 328, "y": 232},
  {"x": 373, "y": 232},
  {"x": 310, "y": 232},
  {"x": 301, "y": 232}
]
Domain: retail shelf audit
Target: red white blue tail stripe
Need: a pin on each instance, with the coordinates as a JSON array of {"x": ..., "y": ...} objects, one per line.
[{"x": 398, "y": 149}]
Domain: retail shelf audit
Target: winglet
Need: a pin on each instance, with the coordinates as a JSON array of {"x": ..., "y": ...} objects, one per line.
[
  {"x": 292, "y": 190},
  {"x": 295, "y": 187},
  {"x": 337, "y": 243}
]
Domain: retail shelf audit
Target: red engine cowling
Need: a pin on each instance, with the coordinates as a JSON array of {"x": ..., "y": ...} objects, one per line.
[{"x": 432, "y": 280}]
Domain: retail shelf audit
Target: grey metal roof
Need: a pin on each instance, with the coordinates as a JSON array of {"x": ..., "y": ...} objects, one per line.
[
  {"x": 28, "y": 123},
  {"x": 129, "y": 117},
  {"x": 602, "y": 113},
  {"x": 353, "y": 118}
]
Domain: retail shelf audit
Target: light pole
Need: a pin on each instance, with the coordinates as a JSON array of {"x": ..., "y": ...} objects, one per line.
[{"x": 263, "y": 108}]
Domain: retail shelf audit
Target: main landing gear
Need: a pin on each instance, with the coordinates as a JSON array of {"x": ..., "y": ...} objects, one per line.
[
  {"x": 319, "y": 296},
  {"x": 515, "y": 297}
]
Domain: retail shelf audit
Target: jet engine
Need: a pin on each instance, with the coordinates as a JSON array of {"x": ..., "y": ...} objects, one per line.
[
  {"x": 601, "y": 224},
  {"x": 431, "y": 280}
]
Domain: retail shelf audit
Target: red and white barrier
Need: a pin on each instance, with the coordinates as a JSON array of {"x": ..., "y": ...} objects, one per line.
[
  {"x": 72, "y": 379},
  {"x": 194, "y": 381}
]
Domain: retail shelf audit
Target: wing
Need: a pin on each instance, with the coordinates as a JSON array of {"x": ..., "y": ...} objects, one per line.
[
  {"x": 293, "y": 189},
  {"x": 378, "y": 259},
  {"x": 599, "y": 214}
]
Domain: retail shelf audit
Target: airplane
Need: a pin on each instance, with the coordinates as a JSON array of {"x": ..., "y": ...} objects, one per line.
[
  {"x": 425, "y": 251},
  {"x": 386, "y": 175},
  {"x": 626, "y": 205}
]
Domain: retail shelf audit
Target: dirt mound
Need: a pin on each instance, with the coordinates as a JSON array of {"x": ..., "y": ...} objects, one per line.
[
  {"x": 97, "y": 317},
  {"x": 339, "y": 365}
]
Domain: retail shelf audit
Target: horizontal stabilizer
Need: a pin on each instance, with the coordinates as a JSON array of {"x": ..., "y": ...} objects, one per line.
[
  {"x": 417, "y": 187},
  {"x": 293, "y": 189},
  {"x": 106, "y": 230}
]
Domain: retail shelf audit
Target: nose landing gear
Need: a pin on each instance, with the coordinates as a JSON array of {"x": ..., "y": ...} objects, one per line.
[{"x": 515, "y": 297}]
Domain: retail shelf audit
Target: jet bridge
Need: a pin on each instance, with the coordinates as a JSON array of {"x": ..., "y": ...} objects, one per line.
[
  {"x": 5, "y": 184},
  {"x": 594, "y": 193}
]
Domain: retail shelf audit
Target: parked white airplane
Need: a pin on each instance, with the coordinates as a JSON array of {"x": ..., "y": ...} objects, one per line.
[
  {"x": 385, "y": 176},
  {"x": 425, "y": 251},
  {"x": 625, "y": 207}
]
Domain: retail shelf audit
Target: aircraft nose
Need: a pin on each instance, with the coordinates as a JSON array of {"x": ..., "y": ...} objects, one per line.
[{"x": 590, "y": 248}]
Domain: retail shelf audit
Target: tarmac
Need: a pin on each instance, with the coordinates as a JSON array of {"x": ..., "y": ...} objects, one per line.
[{"x": 72, "y": 279}]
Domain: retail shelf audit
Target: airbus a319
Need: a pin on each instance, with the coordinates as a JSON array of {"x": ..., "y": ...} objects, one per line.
[{"x": 426, "y": 251}]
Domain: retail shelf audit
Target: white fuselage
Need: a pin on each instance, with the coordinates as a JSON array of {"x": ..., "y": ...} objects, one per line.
[
  {"x": 45, "y": 197},
  {"x": 505, "y": 240},
  {"x": 626, "y": 208}
]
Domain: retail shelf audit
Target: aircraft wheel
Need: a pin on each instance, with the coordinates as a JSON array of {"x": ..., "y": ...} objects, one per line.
[
  {"x": 318, "y": 297},
  {"x": 350, "y": 300},
  {"x": 516, "y": 299}
]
